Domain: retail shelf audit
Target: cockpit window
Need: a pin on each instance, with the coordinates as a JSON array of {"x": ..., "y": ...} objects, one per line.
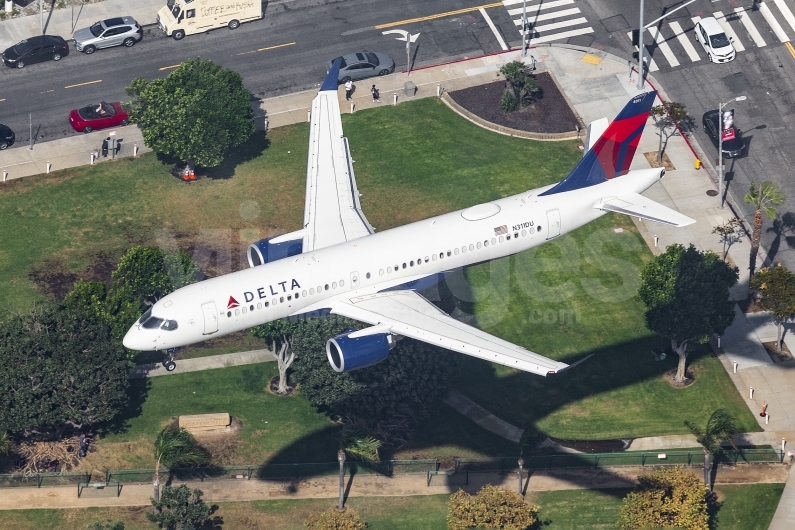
[
  {"x": 169, "y": 325},
  {"x": 145, "y": 316},
  {"x": 153, "y": 323}
]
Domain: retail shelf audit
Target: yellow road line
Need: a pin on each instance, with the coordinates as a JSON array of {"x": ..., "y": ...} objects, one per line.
[
  {"x": 266, "y": 49},
  {"x": 438, "y": 15},
  {"x": 168, "y": 67},
  {"x": 790, "y": 48},
  {"x": 84, "y": 84}
]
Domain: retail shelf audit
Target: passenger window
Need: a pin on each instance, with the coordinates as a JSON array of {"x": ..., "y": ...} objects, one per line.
[
  {"x": 538, "y": 229},
  {"x": 312, "y": 291},
  {"x": 486, "y": 243},
  {"x": 478, "y": 245},
  {"x": 389, "y": 270},
  {"x": 244, "y": 310},
  {"x": 251, "y": 307},
  {"x": 296, "y": 296},
  {"x": 326, "y": 287},
  {"x": 524, "y": 232},
  {"x": 380, "y": 272},
  {"x": 472, "y": 247},
  {"x": 319, "y": 288},
  {"x": 274, "y": 301},
  {"x": 507, "y": 238},
  {"x": 411, "y": 263},
  {"x": 259, "y": 305},
  {"x": 433, "y": 257},
  {"x": 281, "y": 299},
  {"x": 464, "y": 249},
  {"x": 426, "y": 259},
  {"x": 342, "y": 282},
  {"x": 303, "y": 294},
  {"x": 334, "y": 285},
  {"x": 441, "y": 255},
  {"x": 449, "y": 253},
  {"x": 456, "y": 251},
  {"x": 367, "y": 275},
  {"x": 229, "y": 314},
  {"x": 191, "y": 13},
  {"x": 289, "y": 297},
  {"x": 237, "y": 312},
  {"x": 493, "y": 240},
  {"x": 266, "y": 304},
  {"x": 404, "y": 265},
  {"x": 516, "y": 235}
]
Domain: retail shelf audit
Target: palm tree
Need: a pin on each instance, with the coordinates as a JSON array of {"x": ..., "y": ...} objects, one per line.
[
  {"x": 764, "y": 198},
  {"x": 173, "y": 448},
  {"x": 720, "y": 428}
]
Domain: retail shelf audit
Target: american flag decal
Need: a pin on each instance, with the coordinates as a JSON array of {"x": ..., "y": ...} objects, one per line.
[{"x": 501, "y": 230}]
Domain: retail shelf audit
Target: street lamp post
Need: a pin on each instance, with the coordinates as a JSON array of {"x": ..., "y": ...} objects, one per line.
[
  {"x": 341, "y": 460},
  {"x": 521, "y": 464},
  {"x": 720, "y": 146}
]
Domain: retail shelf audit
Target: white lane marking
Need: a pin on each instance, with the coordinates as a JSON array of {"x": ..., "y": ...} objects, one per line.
[
  {"x": 558, "y": 25},
  {"x": 773, "y": 23},
  {"x": 749, "y": 27},
  {"x": 494, "y": 29},
  {"x": 663, "y": 46},
  {"x": 785, "y": 11},
  {"x": 538, "y": 7},
  {"x": 738, "y": 46},
  {"x": 561, "y": 35},
  {"x": 556, "y": 14},
  {"x": 684, "y": 41},
  {"x": 652, "y": 65}
]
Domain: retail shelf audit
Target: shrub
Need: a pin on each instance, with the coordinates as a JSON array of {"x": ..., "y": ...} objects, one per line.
[
  {"x": 508, "y": 102},
  {"x": 334, "y": 519},
  {"x": 668, "y": 497},
  {"x": 492, "y": 507}
]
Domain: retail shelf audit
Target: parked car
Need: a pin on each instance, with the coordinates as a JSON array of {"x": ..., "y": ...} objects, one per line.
[
  {"x": 733, "y": 144},
  {"x": 106, "y": 33},
  {"x": 98, "y": 116},
  {"x": 6, "y": 137},
  {"x": 363, "y": 64},
  {"x": 715, "y": 42},
  {"x": 35, "y": 50}
]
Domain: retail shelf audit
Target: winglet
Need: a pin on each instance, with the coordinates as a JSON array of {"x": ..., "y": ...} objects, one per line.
[
  {"x": 572, "y": 365},
  {"x": 332, "y": 77}
]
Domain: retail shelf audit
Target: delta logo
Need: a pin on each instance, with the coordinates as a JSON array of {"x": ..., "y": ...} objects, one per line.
[{"x": 232, "y": 303}]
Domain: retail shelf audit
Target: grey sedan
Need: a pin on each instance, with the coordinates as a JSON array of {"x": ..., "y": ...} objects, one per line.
[
  {"x": 363, "y": 64},
  {"x": 107, "y": 33}
]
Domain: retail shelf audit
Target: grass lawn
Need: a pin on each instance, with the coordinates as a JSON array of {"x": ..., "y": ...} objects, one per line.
[
  {"x": 746, "y": 507},
  {"x": 564, "y": 300}
]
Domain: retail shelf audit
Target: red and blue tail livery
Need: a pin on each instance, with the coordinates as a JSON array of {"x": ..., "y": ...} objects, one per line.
[{"x": 612, "y": 153}]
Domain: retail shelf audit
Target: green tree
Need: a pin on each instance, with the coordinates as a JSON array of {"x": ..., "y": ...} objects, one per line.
[
  {"x": 730, "y": 232},
  {"x": 196, "y": 113},
  {"x": 669, "y": 497},
  {"x": 359, "y": 442},
  {"x": 492, "y": 507},
  {"x": 764, "y": 198},
  {"x": 148, "y": 273},
  {"x": 520, "y": 86},
  {"x": 686, "y": 293},
  {"x": 59, "y": 370},
  {"x": 668, "y": 119},
  {"x": 180, "y": 509},
  {"x": 5, "y": 443},
  {"x": 414, "y": 375},
  {"x": 333, "y": 519},
  {"x": 720, "y": 428},
  {"x": 116, "y": 307},
  {"x": 279, "y": 336},
  {"x": 775, "y": 292},
  {"x": 174, "y": 448}
]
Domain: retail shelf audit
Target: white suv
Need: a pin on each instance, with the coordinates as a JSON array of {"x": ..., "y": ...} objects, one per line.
[{"x": 715, "y": 42}]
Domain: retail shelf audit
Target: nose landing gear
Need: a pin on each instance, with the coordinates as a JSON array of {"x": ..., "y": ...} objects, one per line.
[{"x": 168, "y": 362}]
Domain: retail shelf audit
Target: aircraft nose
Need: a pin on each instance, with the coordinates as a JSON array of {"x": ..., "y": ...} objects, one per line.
[{"x": 133, "y": 340}]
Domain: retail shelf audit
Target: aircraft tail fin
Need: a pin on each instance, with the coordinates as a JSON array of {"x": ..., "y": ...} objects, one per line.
[{"x": 612, "y": 153}]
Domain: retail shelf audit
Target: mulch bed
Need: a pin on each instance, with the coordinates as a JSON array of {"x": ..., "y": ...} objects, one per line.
[
  {"x": 771, "y": 349},
  {"x": 550, "y": 113}
]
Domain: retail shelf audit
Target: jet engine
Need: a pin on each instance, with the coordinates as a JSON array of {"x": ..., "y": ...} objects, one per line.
[
  {"x": 357, "y": 349},
  {"x": 275, "y": 248}
]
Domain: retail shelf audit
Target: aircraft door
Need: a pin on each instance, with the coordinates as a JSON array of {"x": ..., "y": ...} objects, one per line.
[
  {"x": 210, "y": 318},
  {"x": 354, "y": 280},
  {"x": 553, "y": 218}
]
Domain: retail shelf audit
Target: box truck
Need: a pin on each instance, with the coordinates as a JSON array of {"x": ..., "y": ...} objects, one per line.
[{"x": 186, "y": 17}]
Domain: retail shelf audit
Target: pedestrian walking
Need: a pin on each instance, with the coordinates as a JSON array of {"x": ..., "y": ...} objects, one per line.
[
  {"x": 348, "y": 89},
  {"x": 376, "y": 95},
  {"x": 83, "y": 446}
]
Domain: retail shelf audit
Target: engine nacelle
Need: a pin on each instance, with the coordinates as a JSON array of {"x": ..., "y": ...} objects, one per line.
[
  {"x": 346, "y": 353},
  {"x": 275, "y": 248}
]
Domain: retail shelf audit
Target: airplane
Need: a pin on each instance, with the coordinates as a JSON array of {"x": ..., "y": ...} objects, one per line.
[{"x": 337, "y": 263}]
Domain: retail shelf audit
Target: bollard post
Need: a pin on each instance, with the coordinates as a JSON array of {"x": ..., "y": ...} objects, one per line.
[
  {"x": 92, "y": 158},
  {"x": 48, "y": 166},
  {"x": 308, "y": 116},
  {"x": 5, "y": 175},
  {"x": 751, "y": 393},
  {"x": 521, "y": 465},
  {"x": 438, "y": 90},
  {"x": 394, "y": 98},
  {"x": 353, "y": 106},
  {"x": 783, "y": 445},
  {"x": 735, "y": 367},
  {"x": 656, "y": 240},
  {"x": 767, "y": 419},
  {"x": 135, "y": 149}
]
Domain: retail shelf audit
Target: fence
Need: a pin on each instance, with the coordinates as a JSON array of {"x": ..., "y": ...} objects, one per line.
[
  {"x": 595, "y": 460},
  {"x": 37, "y": 480}
]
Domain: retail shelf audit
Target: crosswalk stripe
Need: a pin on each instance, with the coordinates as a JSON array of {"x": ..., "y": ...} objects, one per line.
[
  {"x": 738, "y": 46},
  {"x": 773, "y": 23},
  {"x": 561, "y": 35},
  {"x": 558, "y": 25},
  {"x": 652, "y": 65},
  {"x": 663, "y": 46},
  {"x": 684, "y": 41},
  {"x": 556, "y": 14},
  {"x": 539, "y": 7},
  {"x": 785, "y": 11},
  {"x": 493, "y": 29},
  {"x": 749, "y": 27}
]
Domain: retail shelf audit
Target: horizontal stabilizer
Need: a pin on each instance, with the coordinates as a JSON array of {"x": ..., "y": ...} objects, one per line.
[{"x": 637, "y": 205}]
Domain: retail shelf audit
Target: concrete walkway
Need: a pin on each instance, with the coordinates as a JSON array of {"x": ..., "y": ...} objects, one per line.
[{"x": 198, "y": 364}]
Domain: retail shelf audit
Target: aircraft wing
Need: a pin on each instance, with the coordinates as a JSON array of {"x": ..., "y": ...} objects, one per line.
[
  {"x": 409, "y": 314},
  {"x": 637, "y": 205},
  {"x": 332, "y": 212}
]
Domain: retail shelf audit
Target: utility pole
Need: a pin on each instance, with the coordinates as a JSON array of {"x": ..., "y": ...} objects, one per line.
[
  {"x": 524, "y": 28},
  {"x": 641, "y": 72},
  {"x": 409, "y": 38}
]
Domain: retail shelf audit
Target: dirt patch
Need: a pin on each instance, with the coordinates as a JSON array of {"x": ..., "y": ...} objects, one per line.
[
  {"x": 594, "y": 446},
  {"x": 651, "y": 158},
  {"x": 775, "y": 356},
  {"x": 273, "y": 387},
  {"x": 53, "y": 279},
  {"x": 690, "y": 378},
  {"x": 550, "y": 113},
  {"x": 222, "y": 446}
]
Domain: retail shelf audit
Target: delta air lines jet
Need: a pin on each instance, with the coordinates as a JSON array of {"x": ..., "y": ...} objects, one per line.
[{"x": 337, "y": 264}]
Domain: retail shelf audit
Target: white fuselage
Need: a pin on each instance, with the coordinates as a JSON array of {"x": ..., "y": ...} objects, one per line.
[{"x": 311, "y": 281}]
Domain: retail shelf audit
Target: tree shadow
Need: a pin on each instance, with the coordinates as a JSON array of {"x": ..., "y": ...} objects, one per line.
[
  {"x": 784, "y": 231},
  {"x": 256, "y": 144},
  {"x": 137, "y": 393}
]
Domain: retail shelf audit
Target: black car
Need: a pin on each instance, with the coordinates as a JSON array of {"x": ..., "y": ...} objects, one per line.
[
  {"x": 35, "y": 50},
  {"x": 6, "y": 137},
  {"x": 733, "y": 147}
]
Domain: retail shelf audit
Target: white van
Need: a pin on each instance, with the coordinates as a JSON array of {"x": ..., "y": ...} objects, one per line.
[{"x": 187, "y": 17}]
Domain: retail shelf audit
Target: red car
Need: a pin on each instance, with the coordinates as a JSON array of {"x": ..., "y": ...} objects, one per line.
[{"x": 100, "y": 116}]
